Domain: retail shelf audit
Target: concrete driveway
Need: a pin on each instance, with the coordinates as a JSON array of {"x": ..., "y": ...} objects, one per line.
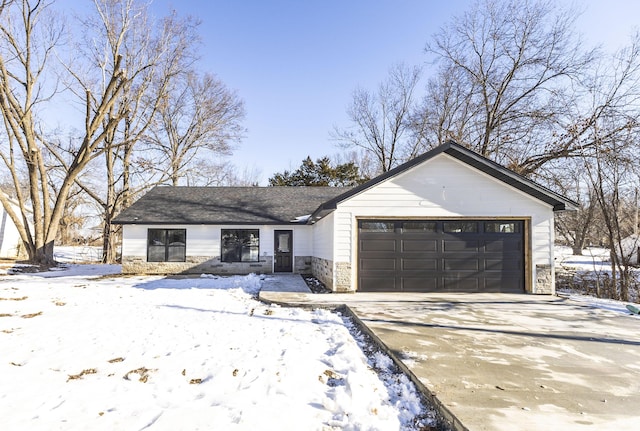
[{"x": 508, "y": 362}]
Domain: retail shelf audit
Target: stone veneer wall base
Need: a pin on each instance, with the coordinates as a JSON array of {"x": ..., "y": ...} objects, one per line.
[
  {"x": 343, "y": 278},
  {"x": 322, "y": 269},
  {"x": 197, "y": 265},
  {"x": 544, "y": 280}
]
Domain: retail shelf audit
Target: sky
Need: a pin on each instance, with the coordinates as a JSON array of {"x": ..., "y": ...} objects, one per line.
[{"x": 296, "y": 63}]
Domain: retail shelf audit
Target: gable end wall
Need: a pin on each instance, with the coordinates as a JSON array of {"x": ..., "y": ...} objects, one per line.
[{"x": 444, "y": 187}]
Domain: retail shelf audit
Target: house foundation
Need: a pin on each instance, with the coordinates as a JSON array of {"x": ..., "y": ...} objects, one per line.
[{"x": 197, "y": 265}]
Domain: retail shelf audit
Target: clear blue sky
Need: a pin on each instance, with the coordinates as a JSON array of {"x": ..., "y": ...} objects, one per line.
[{"x": 295, "y": 63}]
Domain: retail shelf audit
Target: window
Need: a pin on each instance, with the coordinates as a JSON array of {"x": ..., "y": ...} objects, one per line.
[
  {"x": 240, "y": 245},
  {"x": 501, "y": 227},
  {"x": 460, "y": 227},
  {"x": 419, "y": 226},
  {"x": 166, "y": 245},
  {"x": 377, "y": 226}
]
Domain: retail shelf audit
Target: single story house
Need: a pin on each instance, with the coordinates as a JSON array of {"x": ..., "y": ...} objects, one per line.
[{"x": 448, "y": 220}]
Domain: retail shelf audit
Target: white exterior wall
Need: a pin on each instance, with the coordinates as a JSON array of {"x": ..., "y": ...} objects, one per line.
[
  {"x": 302, "y": 239},
  {"x": 201, "y": 240},
  {"x": 204, "y": 240},
  {"x": 443, "y": 187},
  {"x": 323, "y": 244}
]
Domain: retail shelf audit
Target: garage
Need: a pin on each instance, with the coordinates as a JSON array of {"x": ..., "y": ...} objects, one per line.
[{"x": 458, "y": 255}]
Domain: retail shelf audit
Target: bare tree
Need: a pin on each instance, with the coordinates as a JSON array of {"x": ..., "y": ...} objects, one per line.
[
  {"x": 197, "y": 117},
  {"x": 30, "y": 32},
  {"x": 610, "y": 141},
  {"x": 608, "y": 171},
  {"x": 381, "y": 120},
  {"x": 505, "y": 67},
  {"x": 578, "y": 228},
  {"x": 117, "y": 106},
  {"x": 158, "y": 52},
  {"x": 446, "y": 112}
]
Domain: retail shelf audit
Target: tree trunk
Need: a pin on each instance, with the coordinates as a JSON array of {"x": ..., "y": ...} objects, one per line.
[{"x": 43, "y": 255}]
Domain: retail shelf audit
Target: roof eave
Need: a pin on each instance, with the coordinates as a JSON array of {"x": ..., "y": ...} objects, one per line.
[{"x": 206, "y": 222}]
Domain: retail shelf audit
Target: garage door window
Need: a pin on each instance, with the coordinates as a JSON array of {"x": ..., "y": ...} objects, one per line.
[
  {"x": 376, "y": 226},
  {"x": 502, "y": 227},
  {"x": 419, "y": 226},
  {"x": 460, "y": 227}
]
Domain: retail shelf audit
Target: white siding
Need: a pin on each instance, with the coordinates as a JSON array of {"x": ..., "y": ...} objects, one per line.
[
  {"x": 302, "y": 240},
  {"x": 203, "y": 240},
  {"x": 345, "y": 235},
  {"x": 439, "y": 188},
  {"x": 323, "y": 238}
]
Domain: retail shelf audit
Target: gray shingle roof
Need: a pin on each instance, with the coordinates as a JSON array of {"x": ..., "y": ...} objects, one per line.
[
  {"x": 226, "y": 205},
  {"x": 282, "y": 205}
]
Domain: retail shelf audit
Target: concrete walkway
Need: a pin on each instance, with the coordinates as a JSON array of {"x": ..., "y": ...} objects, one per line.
[
  {"x": 278, "y": 284},
  {"x": 504, "y": 361}
]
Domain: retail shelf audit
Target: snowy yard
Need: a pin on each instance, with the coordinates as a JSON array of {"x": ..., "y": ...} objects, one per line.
[
  {"x": 580, "y": 274},
  {"x": 82, "y": 349}
]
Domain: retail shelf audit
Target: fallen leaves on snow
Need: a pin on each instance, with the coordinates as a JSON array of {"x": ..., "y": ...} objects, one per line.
[
  {"x": 142, "y": 372},
  {"x": 82, "y": 373}
]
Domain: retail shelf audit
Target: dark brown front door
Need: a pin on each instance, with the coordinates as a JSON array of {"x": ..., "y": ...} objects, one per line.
[{"x": 282, "y": 250}]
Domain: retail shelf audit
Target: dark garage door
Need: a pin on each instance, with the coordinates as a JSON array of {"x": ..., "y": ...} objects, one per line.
[{"x": 441, "y": 256}]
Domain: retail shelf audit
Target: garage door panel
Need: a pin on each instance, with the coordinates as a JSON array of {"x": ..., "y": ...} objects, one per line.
[
  {"x": 419, "y": 245},
  {"x": 378, "y": 284},
  {"x": 419, "y": 284},
  {"x": 465, "y": 284},
  {"x": 419, "y": 264},
  {"x": 508, "y": 264},
  {"x": 378, "y": 264},
  {"x": 378, "y": 245},
  {"x": 493, "y": 265},
  {"x": 457, "y": 245},
  {"x": 506, "y": 245},
  {"x": 470, "y": 264},
  {"x": 502, "y": 285}
]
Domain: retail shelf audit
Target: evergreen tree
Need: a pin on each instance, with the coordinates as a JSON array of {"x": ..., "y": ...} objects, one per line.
[{"x": 320, "y": 173}]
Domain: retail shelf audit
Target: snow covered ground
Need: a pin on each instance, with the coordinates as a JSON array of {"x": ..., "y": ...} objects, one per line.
[
  {"x": 83, "y": 348},
  {"x": 592, "y": 259},
  {"x": 594, "y": 264}
]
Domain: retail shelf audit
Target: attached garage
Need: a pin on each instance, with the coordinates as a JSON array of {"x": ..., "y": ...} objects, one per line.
[
  {"x": 459, "y": 255},
  {"x": 449, "y": 220}
]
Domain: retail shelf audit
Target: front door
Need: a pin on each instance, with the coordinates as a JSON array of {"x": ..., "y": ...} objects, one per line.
[{"x": 282, "y": 251}]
